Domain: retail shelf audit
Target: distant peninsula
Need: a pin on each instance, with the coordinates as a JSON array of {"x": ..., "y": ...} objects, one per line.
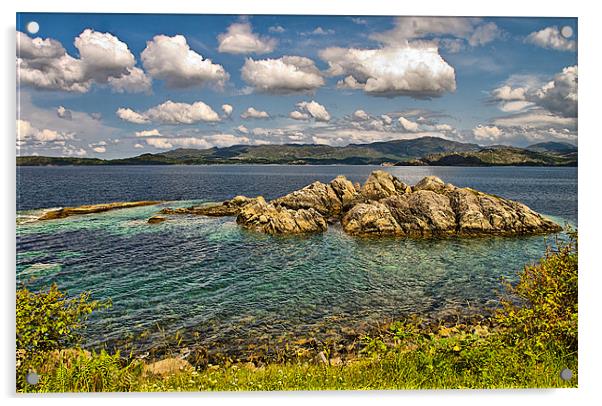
[{"x": 429, "y": 151}]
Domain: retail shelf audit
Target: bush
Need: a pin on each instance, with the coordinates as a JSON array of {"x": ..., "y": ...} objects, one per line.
[
  {"x": 47, "y": 321},
  {"x": 546, "y": 312}
]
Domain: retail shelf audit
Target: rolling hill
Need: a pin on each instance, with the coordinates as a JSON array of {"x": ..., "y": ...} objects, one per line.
[{"x": 419, "y": 151}]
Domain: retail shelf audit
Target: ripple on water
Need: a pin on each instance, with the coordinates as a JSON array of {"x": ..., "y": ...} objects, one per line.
[{"x": 209, "y": 274}]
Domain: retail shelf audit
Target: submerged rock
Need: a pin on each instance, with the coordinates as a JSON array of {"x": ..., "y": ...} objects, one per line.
[
  {"x": 92, "y": 208},
  {"x": 156, "y": 220},
  {"x": 268, "y": 218},
  {"x": 228, "y": 208}
]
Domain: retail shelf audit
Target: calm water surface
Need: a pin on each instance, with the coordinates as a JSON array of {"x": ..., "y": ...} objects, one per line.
[{"x": 209, "y": 275}]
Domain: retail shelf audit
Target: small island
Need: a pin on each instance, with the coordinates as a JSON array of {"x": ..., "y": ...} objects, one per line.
[{"x": 383, "y": 206}]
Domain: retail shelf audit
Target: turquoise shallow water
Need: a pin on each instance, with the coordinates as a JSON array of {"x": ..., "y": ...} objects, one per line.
[{"x": 209, "y": 275}]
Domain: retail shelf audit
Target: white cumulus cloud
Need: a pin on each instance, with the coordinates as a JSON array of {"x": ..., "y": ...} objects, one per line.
[
  {"x": 171, "y": 112},
  {"x": 487, "y": 133},
  {"x": 240, "y": 39},
  {"x": 251, "y": 112},
  {"x": 408, "y": 125},
  {"x": 103, "y": 59},
  {"x": 360, "y": 115},
  {"x": 311, "y": 109},
  {"x": 551, "y": 38},
  {"x": 227, "y": 109},
  {"x": 62, "y": 112},
  {"x": 288, "y": 74},
  {"x": 171, "y": 59},
  {"x": 148, "y": 133},
  {"x": 134, "y": 81},
  {"x": 416, "y": 71},
  {"x": 131, "y": 116}
]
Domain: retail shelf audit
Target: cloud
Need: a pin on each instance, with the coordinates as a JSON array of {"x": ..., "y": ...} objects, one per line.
[
  {"x": 99, "y": 149},
  {"x": 313, "y": 110},
  {"x": 386, "y": 119},
  {"x": 103, "y": 55},
  {"x": 64, "y": 113},
  {"x": 44, "y": 64},
  {"x": 359, "y": 21},
  {"x": 297, "y": 115},
  {"x": 536, "y": 119},
  {"x": 242, "y": 129},
  {"x": 239, "y": 39},
  {"x": 227, "y": 109},
  {"x": 103, "y": 59},
  {"x": 524, "y": 135},
  {"x": 472, "y": 30},
  {"x": 513, "y": 106},
  {"x": 131, "y": 116},
  {"x": 486, "y": 133},
  {"x": 484, "y": 34},
  {"x": 138, "y": 146},
  {"x": 171, "y": 59},
  {"x": 408, "y": 125},
  {"x": 558, "y": 95},
  {"x": 31, "y": 136},
  {"x": 541, "y": 110},
  {"x": 415, "y": 71},
  {"x": 288, "y": 74},
  {"x": 443, "y": 127},
  {"x": 322, "y": 31},
  {"x": 171, "y": 112},
  {"x": 209, "y": 141},
  {"x": 135, "y": 81},
  {"x": 507, "y": 93},
  {"x": 148, "y": 133},
  {"x": 360, "y": 115},
  {"x": 551, "y": 38},
  {"x": 251, "y": 112},
  {"x": 277, "y": 29}
]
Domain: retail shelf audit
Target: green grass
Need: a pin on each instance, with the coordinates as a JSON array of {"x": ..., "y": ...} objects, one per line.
[{"x": 424, "y": 368}]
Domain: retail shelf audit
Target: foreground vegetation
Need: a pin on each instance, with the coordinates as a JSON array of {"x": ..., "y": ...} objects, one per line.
[{"x": 533, "y": 338}]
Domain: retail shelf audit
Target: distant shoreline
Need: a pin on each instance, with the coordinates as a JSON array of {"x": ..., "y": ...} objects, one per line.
[{"x": 424, "y": 151}]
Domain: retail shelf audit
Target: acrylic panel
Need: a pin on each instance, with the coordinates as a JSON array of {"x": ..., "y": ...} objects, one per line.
[{"x": 289, "y": 202}]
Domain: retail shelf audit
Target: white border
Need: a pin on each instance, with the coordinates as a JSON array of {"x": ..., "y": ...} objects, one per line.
[{"x": 590, "y": 225}]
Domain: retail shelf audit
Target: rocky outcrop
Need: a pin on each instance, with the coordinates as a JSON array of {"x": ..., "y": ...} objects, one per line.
[
  {"x": 384, "y": 205},
  {"x": 277, "y": 219},
  {"x": 434, "y": 208},
  {"x": 381, "y": 184},
  {"x": 92, "y": 208},
  {"x": 327, "y": 199},
  {"x": 370, "y": 218}
]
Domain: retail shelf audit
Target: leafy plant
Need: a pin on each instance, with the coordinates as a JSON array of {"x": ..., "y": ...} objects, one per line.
[
  {"x": 546, "y": 311},
  {"x": 47, "y": 321}
]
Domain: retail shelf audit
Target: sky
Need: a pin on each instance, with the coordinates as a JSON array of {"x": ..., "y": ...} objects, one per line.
[{"x": 120, "y": 85}]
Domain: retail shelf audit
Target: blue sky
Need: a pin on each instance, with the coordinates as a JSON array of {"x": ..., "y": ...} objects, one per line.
[{"x": 115, "y": 85}]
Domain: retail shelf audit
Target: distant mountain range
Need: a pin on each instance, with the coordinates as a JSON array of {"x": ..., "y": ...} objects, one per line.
[{"x": 418, "y": 151}]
